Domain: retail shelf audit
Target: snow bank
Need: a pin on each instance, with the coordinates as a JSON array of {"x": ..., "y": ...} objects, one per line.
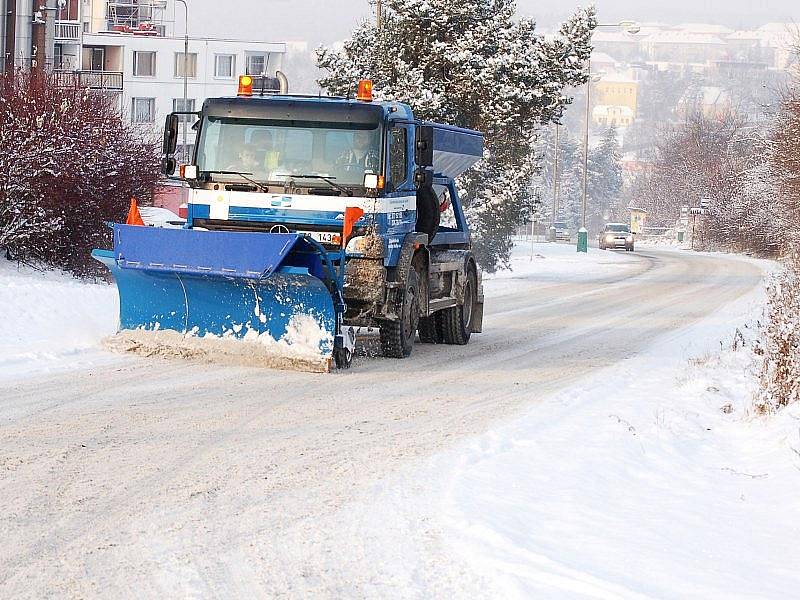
[
  {"x": 555, "y": 262},
  {"x": 50, "y": 318},
  {"x": 644, "y": 481}
]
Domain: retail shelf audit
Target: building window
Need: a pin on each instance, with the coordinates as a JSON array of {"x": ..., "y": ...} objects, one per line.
[
  {"x": 68, "y": 11},
  {"x": 58, "y": 56},
  {"x": 178, "y": 106},
  {"x": 143, "y": 110},
  {"x": 144, "y": 64},
  {"x": 256, "y": 64},
  {"x": 191, "y": 65},
  {"x": 225, "y": 65}
]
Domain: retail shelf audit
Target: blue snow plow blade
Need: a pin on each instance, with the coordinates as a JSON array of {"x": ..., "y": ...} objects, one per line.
[{"x": 219, "y": 283}]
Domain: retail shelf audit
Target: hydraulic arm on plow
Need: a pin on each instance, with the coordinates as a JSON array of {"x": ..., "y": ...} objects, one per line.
[{"x": 309, "y": 217}]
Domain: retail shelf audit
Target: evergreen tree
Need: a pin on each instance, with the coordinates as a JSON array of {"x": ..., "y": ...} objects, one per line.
[
  {"x": 605, "y": 180},
  {"x": 570, "y": 175},
  {"x": 473, "y": 65}
]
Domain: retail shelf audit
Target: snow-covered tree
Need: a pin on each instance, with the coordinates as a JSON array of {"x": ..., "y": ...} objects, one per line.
[
  {"x": 570, "y": 176},
  {"x": 475, "y": 65},
  {"x": 69, "y": 164},
  {"x": 605, "y": 180}
]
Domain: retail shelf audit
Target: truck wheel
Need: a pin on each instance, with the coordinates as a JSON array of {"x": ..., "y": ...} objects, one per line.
[
  {"x": 457, "y": 321},
  {"x": 430, "y": 329},
  {"x": 397, "y": 337}
]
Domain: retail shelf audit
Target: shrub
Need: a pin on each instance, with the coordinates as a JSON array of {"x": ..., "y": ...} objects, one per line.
[
  {"x": 780, "y": 376},
  {"x": 69, "y": 164}
]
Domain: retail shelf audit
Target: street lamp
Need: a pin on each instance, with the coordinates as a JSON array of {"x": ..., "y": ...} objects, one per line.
[
  {"x": 552, "y": 231},
  {"x": 184, "y": 119},
  {"x": 629, "y": 27}
]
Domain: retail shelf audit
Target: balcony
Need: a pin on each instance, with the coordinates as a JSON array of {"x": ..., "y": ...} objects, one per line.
[
  {"x": 107, "y": 81},
  {"x": 68, "y": 32}
]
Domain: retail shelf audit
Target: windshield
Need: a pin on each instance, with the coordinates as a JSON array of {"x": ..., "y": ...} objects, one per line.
[
  {"x": 271, "y": 150},
  {"x": 619, "y": 227}
]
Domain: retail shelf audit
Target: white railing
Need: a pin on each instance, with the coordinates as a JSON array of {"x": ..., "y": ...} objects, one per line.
[{"x": 68, "y": 31}]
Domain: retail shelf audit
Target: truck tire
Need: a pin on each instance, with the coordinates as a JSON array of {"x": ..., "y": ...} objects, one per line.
[
  {"x": 430, "y": 329},
  {"x": 397, "y": 337},
  {"x": 457, "y": 321}
]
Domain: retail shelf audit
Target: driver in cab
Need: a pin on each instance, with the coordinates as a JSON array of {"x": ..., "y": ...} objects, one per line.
[{"x": 362, "y": 156}]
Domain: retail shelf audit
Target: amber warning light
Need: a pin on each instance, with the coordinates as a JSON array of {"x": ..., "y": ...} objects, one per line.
[
  {"x": 365, "y": 90},
  {"x": 245, "y": 85}
]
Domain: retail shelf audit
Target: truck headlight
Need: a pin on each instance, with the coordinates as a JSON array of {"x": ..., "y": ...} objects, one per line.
[
  {"x": 355, "y": 245},
  {"x": 609, "y": 238}
]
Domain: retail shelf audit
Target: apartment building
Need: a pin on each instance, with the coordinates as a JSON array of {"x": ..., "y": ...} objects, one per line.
[
  {"x": 150, "y": 70},
  {"x": 133, "y": 50}
]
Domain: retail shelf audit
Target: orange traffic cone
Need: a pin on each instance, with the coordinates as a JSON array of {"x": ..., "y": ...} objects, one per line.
[{"x": 134, "y": 217}]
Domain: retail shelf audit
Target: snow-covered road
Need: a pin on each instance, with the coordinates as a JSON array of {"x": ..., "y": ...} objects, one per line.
[{"x": 138, "y": 478}]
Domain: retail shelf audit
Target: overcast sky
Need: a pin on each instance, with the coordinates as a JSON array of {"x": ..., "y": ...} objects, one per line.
[{"x": 325, "y": 21}]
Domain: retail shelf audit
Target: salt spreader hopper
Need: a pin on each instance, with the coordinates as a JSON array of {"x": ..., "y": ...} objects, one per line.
[{"x": 308, "y": 217}]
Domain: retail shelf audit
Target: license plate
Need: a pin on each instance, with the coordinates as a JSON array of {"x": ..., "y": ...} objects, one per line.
[{"x": 324, "y": 237}]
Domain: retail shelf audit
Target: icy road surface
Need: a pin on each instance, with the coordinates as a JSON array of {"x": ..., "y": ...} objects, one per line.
[{"x": 146, "y": 478}]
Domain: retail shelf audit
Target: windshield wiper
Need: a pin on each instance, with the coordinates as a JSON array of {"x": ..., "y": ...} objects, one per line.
[
  {"x": 325, "y": 178},
  {"x": 244, "y": 176}
]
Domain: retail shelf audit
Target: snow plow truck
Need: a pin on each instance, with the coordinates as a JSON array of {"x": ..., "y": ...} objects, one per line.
[{"x": 308, "y": 217}]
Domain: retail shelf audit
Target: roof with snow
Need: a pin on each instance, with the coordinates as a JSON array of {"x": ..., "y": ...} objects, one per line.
[
  {"x": 704, "y": 28},
  {"x": 684, "y": 37},
  {"x": 616, "y": 77},
  {"x": 706, "y": 95},
  {"x": 601, "y": 58}
]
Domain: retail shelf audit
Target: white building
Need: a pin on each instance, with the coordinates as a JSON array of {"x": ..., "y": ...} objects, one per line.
[
  {"x": 130, "y": 49},
  {"x": 152, "y": 70}
]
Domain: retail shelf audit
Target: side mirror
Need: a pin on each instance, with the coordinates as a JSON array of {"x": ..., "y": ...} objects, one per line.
[
  {"x": 423, "y": 149},
  {"x": 423, "y": 177},
  {"x": 170, "y": 135},
  {"x": 168, "y": 165}
]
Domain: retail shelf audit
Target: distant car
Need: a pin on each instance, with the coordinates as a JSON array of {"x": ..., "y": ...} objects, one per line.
[
  {"x": 562, "y": 231},
  {"x": 616, "y": 235}
]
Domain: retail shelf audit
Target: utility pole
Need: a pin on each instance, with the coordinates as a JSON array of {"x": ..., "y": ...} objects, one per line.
[
  {"x": 583, "y": 235},
  {"x": 184, "y": 118},
  {"x": 632, "y": 28},
  {"x": 378, "y": 16},
  {"x": 556, "y": 152}
]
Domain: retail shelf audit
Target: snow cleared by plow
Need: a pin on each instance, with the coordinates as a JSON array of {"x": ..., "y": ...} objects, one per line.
[
  {"x": 50, "y": 320},
  {"x": 299, "y": 349}
]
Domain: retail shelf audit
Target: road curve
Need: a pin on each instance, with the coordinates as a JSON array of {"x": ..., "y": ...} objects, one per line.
[{"x": 168, "y": 479}]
